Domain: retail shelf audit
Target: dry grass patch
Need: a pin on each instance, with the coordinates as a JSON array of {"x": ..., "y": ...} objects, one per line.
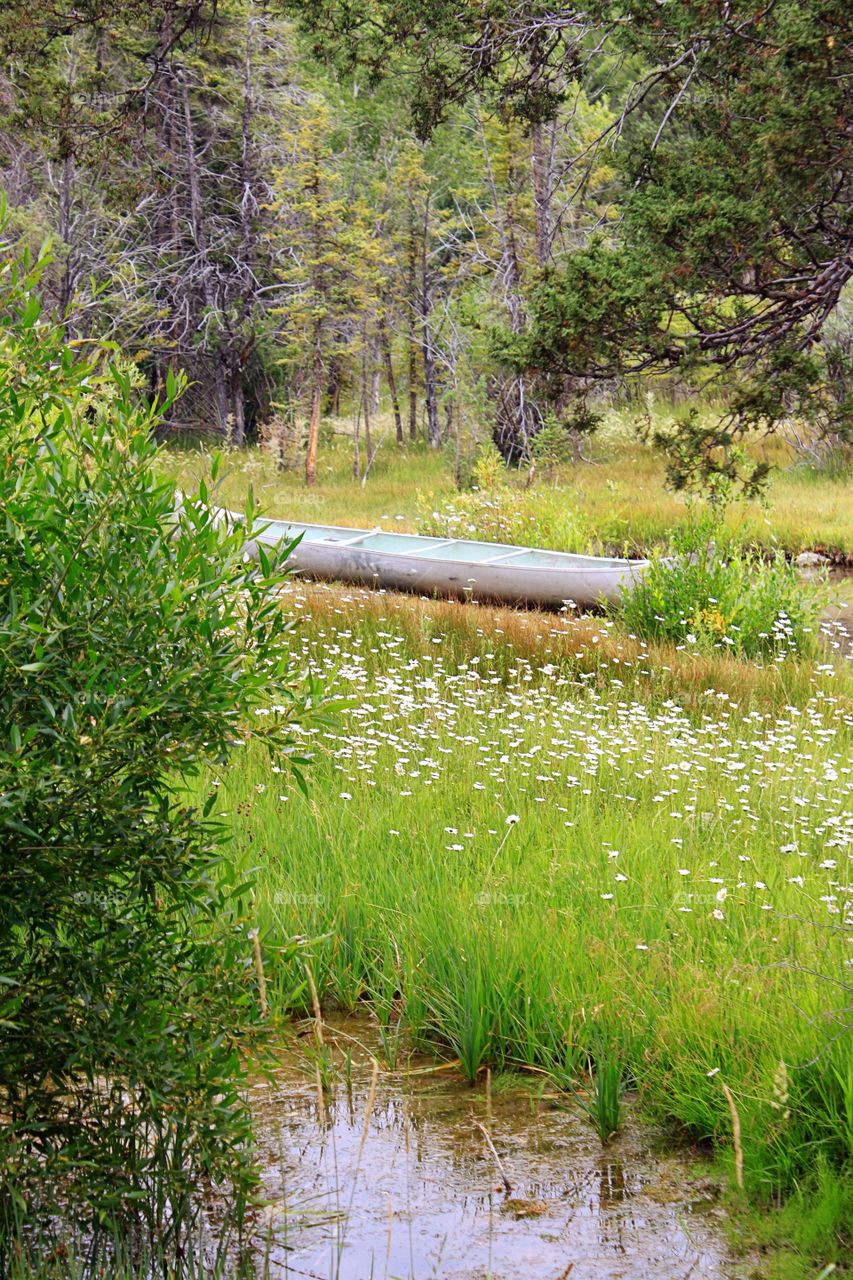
[{"x": 588, "y": 648}]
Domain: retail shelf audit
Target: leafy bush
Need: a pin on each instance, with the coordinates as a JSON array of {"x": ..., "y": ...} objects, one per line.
[
  {"x": 135, "y": 640},
  {"x": 553, "y": 447},
  {"x": 489, "y": 469},
  {"x": 704, "y": 595},
  {"x": 480, "y": 468}
]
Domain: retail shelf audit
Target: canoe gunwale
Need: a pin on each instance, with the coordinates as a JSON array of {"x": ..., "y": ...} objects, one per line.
[
  {"x": 587, "y": 564},
  {"x": 499, "y": 576}
]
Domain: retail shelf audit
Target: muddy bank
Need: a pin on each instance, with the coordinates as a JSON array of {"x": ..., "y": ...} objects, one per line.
[{"x": 392, "y": 1177}]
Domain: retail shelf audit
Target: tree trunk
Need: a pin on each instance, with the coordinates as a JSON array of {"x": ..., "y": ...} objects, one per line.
[
  {"x": 385, "y": 345},
  {"x": 66, "y": 233},
  {"x": 243, "y": 339},
  {"x": 430, "y": 391},
  {"x": 430, "y": 381},
  {"x": 248, "y": 203},
  {"x": 205, "y": 265},
  {"x": 333, "y": 389},
  {"x": 413, "y": 394},
  {"x": 513, "y": 435},
  {"x": 457, "y": 441},
  {"x": 448, "y": 418},
  {"x": 365, "y": 395},
  {"x": 356, "y": 445},
  {"x": 412, "y": 310},
  {"x": 375, "y": 375},
  {"x": 430, "y": 394},
  {"x": 543, "y": 161},
  {"x": 316, "y": 403},
  {"x": 171, "y": 232},
  {"x": 238, "y": 407}
]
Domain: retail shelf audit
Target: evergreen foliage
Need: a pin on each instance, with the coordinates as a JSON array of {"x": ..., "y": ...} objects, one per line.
[{"x": 734, "y": 237}]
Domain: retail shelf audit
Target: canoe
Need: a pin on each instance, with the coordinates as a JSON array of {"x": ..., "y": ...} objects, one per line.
[{"x": 450, "y": 566}]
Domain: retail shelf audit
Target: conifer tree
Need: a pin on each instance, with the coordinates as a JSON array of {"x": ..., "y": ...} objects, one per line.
[{"x": 333, "y": 274}]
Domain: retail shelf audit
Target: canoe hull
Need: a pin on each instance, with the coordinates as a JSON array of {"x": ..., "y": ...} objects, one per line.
[{"x": 585, "y": 583}]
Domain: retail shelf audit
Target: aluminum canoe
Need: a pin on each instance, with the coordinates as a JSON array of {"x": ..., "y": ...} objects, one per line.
[{"x": 450, "y": 566}]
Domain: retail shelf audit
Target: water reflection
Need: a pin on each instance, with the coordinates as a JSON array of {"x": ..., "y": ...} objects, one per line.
[
  {"x": 412, "y": 1191},
  {"x": 837, "y": 622}
]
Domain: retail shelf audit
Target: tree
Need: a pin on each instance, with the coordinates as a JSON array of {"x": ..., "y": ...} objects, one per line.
[
  {"x": 334, "y": 272},
  {"x": 519, "y": 55},
  {"x": 160, "y": 204},
  {"x": 734, "y": 239}
]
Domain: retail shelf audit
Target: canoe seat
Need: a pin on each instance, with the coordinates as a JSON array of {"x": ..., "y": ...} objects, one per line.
[{"x": 506, "y": 555}]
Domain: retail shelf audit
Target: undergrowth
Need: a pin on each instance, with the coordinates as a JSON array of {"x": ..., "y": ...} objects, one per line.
[{"x": 706, "y": 593}]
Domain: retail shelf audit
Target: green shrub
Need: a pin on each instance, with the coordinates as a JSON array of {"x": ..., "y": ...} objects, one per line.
[
  {"x": 135, "y": 641},
  {"x": 702, "y": 594},
  {"x": 553, "y": 447},
  {"x": 489, "y": 469}
]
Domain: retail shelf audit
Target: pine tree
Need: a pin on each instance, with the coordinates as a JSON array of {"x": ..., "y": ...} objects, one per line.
[{"x": 334, "y": 271}]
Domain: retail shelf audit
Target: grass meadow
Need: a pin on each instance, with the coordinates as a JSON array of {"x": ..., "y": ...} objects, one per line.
[
  {"x": 532, "y": 842},
  {"x": 541, "y": 843},
  {"x": 615, "y": 502}
]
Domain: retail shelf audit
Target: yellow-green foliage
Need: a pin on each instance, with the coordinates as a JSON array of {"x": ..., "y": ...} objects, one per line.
[{"x": 616, "y": 501}]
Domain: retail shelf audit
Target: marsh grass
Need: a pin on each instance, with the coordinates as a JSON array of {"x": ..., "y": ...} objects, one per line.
[
  {"x": 616, "y": 502},
  {"x": 535, "y": 842},
  {"x": 608, "y": 1090},
  {"x": 212, "y": 1251},
  {"x": 599, "y": 1090},
  {"x": 592, "y": 649},
  {"x": 706, "y": 594},
  {"x": 507, "y": 860},
  {"x": 803, "y": 1231},
  {"x": 392, "y": 1043}
]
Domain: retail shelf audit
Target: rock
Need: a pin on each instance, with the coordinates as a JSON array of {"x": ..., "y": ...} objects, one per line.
[
  {"x": 519, "y": 1208},
  {"x": 810, "y": 559}
]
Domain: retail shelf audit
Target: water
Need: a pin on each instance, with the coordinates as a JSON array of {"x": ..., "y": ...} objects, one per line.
[
  {"x": 401, "y": 1185},
  {"x": 838, "y": 616}
]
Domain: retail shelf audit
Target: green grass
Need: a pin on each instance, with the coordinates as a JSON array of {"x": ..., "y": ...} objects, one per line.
[
  {"x": 616, "y": 501},
  {"x": 707, "y": 596},
  {"x": 529, "y": 838},
  {"x": 603, "y": 1104},
  {"x": 667, "y": 910}
]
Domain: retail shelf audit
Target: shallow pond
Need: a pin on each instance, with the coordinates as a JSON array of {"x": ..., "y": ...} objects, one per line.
[
  {"x": 838, "y": 616},
  {"x": 390, "y": 1176}
]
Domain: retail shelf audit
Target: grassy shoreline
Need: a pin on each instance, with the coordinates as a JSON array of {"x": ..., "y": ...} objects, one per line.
[{"x": 615, "y": 503}]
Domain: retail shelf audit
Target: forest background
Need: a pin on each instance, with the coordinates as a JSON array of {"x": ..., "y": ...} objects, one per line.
[{"x": 490, "y": 221}]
